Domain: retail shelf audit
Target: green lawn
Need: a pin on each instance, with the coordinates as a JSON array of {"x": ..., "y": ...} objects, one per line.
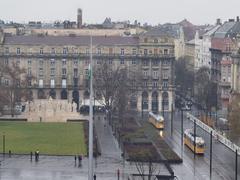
[{"x": 48, "y": 138}]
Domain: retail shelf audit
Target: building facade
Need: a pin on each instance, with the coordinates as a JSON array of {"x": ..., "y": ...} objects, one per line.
[{"x": 59, "y": 65}]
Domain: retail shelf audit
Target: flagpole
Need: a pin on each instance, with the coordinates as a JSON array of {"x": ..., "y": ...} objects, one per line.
[{"x": 90, "y": 149}]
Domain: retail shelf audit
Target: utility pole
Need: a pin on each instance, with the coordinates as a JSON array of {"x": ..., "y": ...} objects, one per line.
[
  {"x": 211, "y": 155},
  {"x": 172, "y": 120},
  {"x": 194, "y": 139},
  {"x": 90, "y": 143},
  {"x": 236, "y": 166},
  {"x": 182, "y": 131}
]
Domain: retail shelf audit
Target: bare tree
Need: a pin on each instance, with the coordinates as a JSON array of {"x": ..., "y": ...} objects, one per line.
[
  {"x": 146, "y": 167},
  {"x": 206, "y": 90},
  {"x": 14, "y": 87},
  {"x": 113, "y": 87}
]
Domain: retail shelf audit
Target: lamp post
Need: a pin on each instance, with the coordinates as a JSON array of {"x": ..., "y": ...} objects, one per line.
[{"x": 90, "y": 143}]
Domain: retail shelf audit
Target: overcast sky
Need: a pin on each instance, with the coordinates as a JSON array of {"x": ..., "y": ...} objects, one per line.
[{"x": 95, "y": 11}]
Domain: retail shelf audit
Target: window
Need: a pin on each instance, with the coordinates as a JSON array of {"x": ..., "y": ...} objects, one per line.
[
  {"x": 6, "y": 61},
  {"x": 41, "y": 50},
  {"x": 53, "y": 51},
  {"x": 99, "y": 50},
  {"x": 122, "y": 51},
  {"x": 18, "y": 51},
  {"x": 121, "y": 61},
  {"x": 155, "y": 62},
  {"x": 155, "y": 84},
  {"x": 145, "y": 83},
  {"x": 165, "y": 62},
  {"x": 29, "y": 82},
  {"x": 155, "y": 40},
  {"x": 145, "y": 74},
  {"x": 110, "y": 61},
  {"x": 155, "y": 51},
  {"x": 64, "y": 71},
  {"x": 6, "y": 50},
  {"x": 29, "y": 62},
  {"x": 40, "y": 72},
  {"x": 145, "y": 62},
  {"x": 134, "y": 61},
  {"x": 145, "y": 40},
  {"x": 134, "y": 51},
  {"x": 87, "y": 50},
  {"x": 52, "y": 71},
  {"x": 40, "y": 83},
  {"x": 165, "y": 51},
  {"x": 6, "y": 82},
  {"x": 75, "y": 62},
  {"x": 165, "y": 84},
  {"x": 87, "y": 62},
  {"x": 41, "y": 62},
  {"x": 64, "y": 62},
  {"x": 75, "y": 72},
  {"x": 110, "y": 50},
  {"x": 29, "y": 71},
  {"x": 52, "y": 62},
  {"x": 98, "y": 61},
  {"x": 64, "y": 50},
  {"x": 145, "y": 51},
  {"x": 155, "y": 74}
]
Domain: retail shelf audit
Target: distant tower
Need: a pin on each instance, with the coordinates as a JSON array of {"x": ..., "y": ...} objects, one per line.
[{"x": 79, "y": 18}]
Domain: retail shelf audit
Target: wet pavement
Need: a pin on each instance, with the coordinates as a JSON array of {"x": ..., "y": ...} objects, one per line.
[{"x": 20, "y": 167}]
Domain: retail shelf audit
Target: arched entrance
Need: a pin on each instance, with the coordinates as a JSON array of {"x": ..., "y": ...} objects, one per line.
[
  {"x": 165, "y": 101},
  {"x": 75, "y": 96},
  {"x": 52, "y": 93},
  {"x": 144, "y": 100},
  {"x": 41, "y": 94},
  {"x": 155, "y": 102},
  {"x": 64, "y": 94}
]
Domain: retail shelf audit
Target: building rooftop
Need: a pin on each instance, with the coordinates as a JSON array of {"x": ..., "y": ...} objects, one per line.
[
  {"x": 68, "y": 40},
  {"x": 224, "y": 29}
]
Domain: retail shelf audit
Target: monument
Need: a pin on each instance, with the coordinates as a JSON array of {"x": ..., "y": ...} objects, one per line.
[{"x": 51, "y": 110}]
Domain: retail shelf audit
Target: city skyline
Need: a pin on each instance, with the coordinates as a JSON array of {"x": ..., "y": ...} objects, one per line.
[{"x": 197, "y": 12}]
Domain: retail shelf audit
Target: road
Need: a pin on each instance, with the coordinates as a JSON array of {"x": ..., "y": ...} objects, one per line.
[{"x": 223, "y": 158}]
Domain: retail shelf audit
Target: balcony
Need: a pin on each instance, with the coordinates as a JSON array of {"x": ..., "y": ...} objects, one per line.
[{"x": 225, "y": 84}]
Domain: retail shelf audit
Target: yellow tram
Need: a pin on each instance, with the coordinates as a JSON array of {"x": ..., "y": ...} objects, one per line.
[
  {"x": 156, "y": 120},
  {"x": 189, "y": 142}
]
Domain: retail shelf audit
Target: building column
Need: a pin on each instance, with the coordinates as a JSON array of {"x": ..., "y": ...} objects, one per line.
[
  {"x": 139, "y": 101},
  {"x": 81, "y": 96},
  {"x": 160, "y": 101},
  {"x": 149, "y": 101},
  {"x": 70, "y": 97},
  {"x": 35, "y": 94}
]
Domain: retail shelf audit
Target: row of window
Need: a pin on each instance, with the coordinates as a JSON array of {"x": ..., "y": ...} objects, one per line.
[
  {"x": 110, "y": 61},
  {"x": 99, "y": 51}
]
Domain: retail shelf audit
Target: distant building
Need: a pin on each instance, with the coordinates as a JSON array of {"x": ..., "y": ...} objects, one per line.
[
  {"x": 79, "y": 18},
  {"x": 59, "y": 65}
]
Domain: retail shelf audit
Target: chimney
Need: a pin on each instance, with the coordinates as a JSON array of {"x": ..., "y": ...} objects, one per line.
[
  {"x": 237, "y": 18},
  {"x": 218, "y": 22},
  {"x": 231, "y": 20}
]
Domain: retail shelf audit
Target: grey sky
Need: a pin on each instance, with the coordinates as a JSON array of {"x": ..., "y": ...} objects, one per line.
[{"x": 95, "y": 11}]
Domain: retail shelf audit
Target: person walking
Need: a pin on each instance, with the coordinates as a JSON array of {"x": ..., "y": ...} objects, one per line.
[
  {"x": 94, "y": 177},
  {"x": 75, "y": 159},
  {"x": 31, "y": 154}
]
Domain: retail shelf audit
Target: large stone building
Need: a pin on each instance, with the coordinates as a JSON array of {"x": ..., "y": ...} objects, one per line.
[{"x": 59, "y": 64}]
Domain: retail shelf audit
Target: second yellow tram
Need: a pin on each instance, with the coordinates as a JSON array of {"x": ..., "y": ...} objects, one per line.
[{"x": 189, "y": 142}]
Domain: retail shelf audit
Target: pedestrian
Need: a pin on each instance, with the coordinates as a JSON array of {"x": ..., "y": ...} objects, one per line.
[
  {"x": 79, "y": 160},
  {"x": 94, "y": 177},
  {"x": 9, "y": 153},
  {"x": 31, "y": 154},
  {"x": 37, "y": 155},
  {"x": 75, "y": 159}
]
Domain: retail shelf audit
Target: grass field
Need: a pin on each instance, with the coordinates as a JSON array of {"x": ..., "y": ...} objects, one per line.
[{"x": 48, "y": 138}]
